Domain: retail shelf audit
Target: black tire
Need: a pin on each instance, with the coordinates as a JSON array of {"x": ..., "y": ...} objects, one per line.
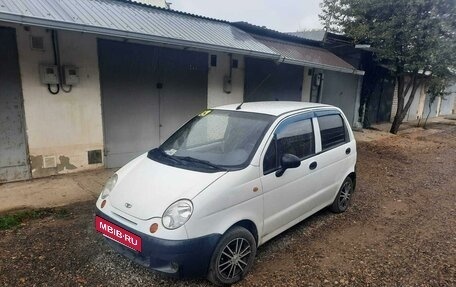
[
  {"x": 226, "y": 270},
  {"x": 343, "y": 197}
]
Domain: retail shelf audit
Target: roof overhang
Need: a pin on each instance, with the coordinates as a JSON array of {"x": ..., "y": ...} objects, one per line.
[
  {"x": 322, "y": 66},
  {"x": 128, "y": 20},
  {"x": 308, "y": 56},
  {"x": 125, "y": 20},
  {"x": 76, "y": 27}
]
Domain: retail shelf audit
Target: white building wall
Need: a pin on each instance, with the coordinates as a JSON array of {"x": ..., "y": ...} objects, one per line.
[
  {"x": 394, "y": 104},
  {"x": 415, "y": 111},
  {"x": 216, "y": 96},
  {"x": 438, "y": 106},
  {"x": 356, "y": 119},
  {"x": 67, "y": 125},
  {"x": 416, "y": 108},
  {"x": 448, "y": 103},
  {"x": 421, "y": 103},
  {"x": 454, "y": 105}
]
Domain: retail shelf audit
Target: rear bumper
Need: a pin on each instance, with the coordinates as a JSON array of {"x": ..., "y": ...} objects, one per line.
[{"x": 180, "y": 258}]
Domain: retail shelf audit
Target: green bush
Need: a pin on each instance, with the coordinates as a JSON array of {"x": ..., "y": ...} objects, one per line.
[{"x": 9, "y": 221}]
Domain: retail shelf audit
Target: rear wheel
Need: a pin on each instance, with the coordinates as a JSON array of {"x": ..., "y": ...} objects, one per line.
[
  {"x": 233, "y": 257},
  {"x": 342, "y": 200}
]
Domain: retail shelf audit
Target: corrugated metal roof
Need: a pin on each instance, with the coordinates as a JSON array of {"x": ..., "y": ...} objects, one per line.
[
  {"x": 266, "y": 32},
  {"x": 314, "y": 35},
  {"x": 309, "y": 56},
  {"x": 134, "y": 21},
  {"x": 122, "y": 18}
]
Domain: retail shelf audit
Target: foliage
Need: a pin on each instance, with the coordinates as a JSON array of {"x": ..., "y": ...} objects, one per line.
[
  {"x": 329, "y": 15},
  {"x": 9, "y": 221},
  {"x": 412, "y": 38},
  {"x": 436, "y": 88}
]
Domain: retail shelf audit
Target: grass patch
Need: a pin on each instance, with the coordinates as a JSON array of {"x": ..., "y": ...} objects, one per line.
[{"x": 9, "y": 221}]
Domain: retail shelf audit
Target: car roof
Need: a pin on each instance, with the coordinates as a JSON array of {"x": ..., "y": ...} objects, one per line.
[{"x": 275, "y": 108}]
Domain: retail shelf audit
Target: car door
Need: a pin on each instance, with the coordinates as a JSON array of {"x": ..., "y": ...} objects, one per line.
[
  {"x": 289, "y": 196},
  {"x": 335, "y": 159}
]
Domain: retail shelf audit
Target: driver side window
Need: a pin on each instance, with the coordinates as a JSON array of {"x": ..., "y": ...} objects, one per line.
[{"x": 294, "y": 136}]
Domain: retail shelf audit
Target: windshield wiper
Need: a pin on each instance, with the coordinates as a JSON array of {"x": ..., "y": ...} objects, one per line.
[
  {"x": 163, "y": 154},
  {"x": 182, "y": 160},
  {"x": 200, "y": 161}
]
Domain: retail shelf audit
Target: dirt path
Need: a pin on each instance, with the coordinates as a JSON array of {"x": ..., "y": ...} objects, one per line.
[{"x": 400, "y": 231}]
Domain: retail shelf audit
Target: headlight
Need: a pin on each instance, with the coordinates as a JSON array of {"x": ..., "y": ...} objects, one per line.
[
  {"x": 109, "y": 186},
  {"x": 177, "y": 214}
]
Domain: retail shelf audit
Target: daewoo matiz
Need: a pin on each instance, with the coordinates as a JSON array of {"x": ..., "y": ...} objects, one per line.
[{"x": 226, "y": 182}]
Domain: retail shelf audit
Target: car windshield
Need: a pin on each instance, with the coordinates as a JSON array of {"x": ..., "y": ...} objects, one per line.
[{"x": 214, "y": 140}]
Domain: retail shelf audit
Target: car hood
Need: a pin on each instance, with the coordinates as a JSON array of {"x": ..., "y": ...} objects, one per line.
[{"x": 145, "y": 188}]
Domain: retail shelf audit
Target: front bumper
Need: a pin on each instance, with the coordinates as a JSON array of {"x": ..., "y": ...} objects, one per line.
[{"x": 181, "y": 258}]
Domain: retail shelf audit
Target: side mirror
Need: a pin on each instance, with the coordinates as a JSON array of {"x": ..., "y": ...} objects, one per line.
[{"x": 288, "y": 161}]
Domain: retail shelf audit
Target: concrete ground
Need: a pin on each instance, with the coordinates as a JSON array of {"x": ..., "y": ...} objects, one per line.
[
  {"x": 53, "y": 191},
  {"x": 84, "y": 186}
]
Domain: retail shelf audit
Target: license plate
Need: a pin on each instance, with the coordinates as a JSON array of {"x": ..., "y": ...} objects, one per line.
[{"x": 118, "y": 234}]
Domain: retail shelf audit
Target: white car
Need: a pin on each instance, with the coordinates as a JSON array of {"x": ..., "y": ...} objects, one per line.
[{"x": 225, "y": 183}]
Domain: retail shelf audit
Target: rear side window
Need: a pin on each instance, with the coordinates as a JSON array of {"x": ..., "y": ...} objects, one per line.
[
  {"x": 332, "y": 130},
  {"x": 292, "y": 136}
]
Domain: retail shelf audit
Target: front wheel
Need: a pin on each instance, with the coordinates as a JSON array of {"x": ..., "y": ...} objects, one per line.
[
  {"x": 233, "y": 257},
  {"x": 343, "y": 197}
]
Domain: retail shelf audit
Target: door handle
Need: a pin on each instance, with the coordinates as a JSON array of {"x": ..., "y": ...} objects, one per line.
[
  {"x": 348, "y": 151},
  {"x": 313, "y": 165}
]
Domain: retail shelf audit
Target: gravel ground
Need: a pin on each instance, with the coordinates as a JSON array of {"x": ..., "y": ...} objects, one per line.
[{"x": 399, "y": 231}]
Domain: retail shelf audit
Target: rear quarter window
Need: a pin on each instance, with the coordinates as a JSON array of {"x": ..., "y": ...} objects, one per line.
[{"x": 332, "y": 130}]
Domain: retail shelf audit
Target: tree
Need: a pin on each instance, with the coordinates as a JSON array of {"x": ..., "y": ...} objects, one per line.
[
  {"x": 412, "y": 38},
  {"x": 437, "y": 86},
  {"x": 329, "y": 15}
]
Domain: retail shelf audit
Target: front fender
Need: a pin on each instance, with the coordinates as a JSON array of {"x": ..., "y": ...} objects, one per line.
[{"x": 234, "y": 197}]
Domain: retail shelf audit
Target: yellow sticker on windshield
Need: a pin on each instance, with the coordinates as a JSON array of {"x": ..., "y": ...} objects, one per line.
[{"x": 205, "y": 113}]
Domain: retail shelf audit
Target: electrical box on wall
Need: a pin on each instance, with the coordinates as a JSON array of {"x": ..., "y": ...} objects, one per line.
[
  {"x": 70, "y": 75},
  {"x": 49, "y": 74}
]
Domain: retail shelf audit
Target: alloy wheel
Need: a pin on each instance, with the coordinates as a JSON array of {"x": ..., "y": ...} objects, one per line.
[
  {"x": 344, "y": 196},
  {"x": 234, "y": 258}
]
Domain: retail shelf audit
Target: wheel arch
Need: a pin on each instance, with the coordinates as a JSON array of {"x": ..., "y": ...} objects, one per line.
[
  {"x": 352, "y": 175},
  {"x": 249, "y": 225}
]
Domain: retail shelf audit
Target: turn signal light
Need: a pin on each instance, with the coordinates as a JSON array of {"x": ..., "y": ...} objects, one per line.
[
  {"x": 103, "y": 203},
  {"x": 153, "y": 228}
]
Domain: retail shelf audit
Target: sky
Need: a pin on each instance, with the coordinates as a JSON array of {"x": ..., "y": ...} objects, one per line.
[{"x": 280, "y": 15}]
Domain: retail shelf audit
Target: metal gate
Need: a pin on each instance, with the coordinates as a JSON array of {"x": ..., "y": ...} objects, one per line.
[
  {"x": 340, "y": 90},
  {"x": 13, "y": 148},
  {"x": 271, "y": 81},
  {"x": 147, "y": 93},
  {"x": 380, "y": 102},
  {"x": 183, "y": 76}
]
